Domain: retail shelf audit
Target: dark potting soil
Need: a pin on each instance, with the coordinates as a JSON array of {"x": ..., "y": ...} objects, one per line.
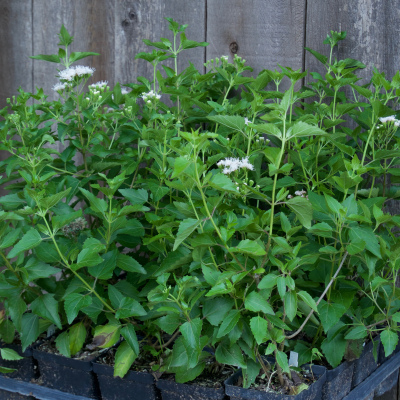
[
  {"x": 49, "y": 346},
  {"x": 292, "y": 383}
]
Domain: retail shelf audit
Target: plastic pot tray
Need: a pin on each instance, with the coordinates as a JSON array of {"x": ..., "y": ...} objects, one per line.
[
  {"x": 139, "y": 385},
  {"x": 67, "y": 374}
]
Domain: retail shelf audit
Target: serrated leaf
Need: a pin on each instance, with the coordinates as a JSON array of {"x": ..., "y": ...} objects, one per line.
[
  {"x": 73, "y": 303},
  {"x": 129, "y": 264},
  {"x": 29, "y": 329},
  {"x": 230, "y": 354},
  {"x": 10, "y": 238},
  {"x": 130, "y": 308},
  {"x": 30, "y": 240},
  {"x": 389, "y": 340},
  {"x": 303, "y": 210},
  {"x": 186, "y": 227},
  {"x": 77, "y": 337},
  {"x": 135, "y": 196},
  {"x": 129, "y": 334},
  {"x": 62, "y": 344},
  {"x": 229, "y": 322},
  {"x": 308, "y": 300},
  {"x": 191, "y": 332},
  {"x": 223, "y": 183},
  {"x": 10, "y": 355},
  {"x": 47, "y": 307},
  {"x": 248, "y": 246},
  {"x": 234, "y": 122},
  {"x": 358, "y": 332},
  {"x": 255, "y": 302},
  {"x": 259, "y": 328}
]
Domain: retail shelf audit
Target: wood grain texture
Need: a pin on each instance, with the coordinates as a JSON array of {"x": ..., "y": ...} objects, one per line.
[
  {"x": 265, "y": 33},
  {"x": 372, "y": 33},
  {"x": 142, "y": 19},
  {"x": 15, "y": 47}
]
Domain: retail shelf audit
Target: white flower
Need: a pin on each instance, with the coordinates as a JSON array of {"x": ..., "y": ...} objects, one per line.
[
  {"x": 289, "y": 196},
  {"x": 124, "y": 91},
  {"x": 246, "y": 121},
  {"x": 98, "y": 85},
  {"x": 151, "y": 95},
  {"x": 233, "y": 164},
  {"x": 391, "y": 118},
  {"x": 69, "y": 74},
  {"x": 59, "y": 86}
]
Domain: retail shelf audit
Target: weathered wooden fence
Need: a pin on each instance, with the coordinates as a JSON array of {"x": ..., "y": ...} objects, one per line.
[{"x": 265, "y": 32}]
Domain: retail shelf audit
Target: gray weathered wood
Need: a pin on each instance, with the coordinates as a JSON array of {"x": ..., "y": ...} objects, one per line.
[
  {"x": 265, "y": 33},
  {"x": 15, "y": 47},
  {"x": 371, "y": 26},
  {"x": 141, "y": 19}
]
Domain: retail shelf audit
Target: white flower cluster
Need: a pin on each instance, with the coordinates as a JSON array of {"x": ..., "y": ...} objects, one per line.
[
  {"x": 233, "y": 164},
  {"x": 79, "y": 71},
  {"x": 59, "y": 87},
  {"x": 224, "y": 58},
  {"x": 101, "y": 85},
  {"x": 125, "y": 91},
  {"x": 152, "y": 95},
  {"x": 246, "y": 121},
  {"x": 301, "y": 193},
  {"x": 392, "y": 118}
]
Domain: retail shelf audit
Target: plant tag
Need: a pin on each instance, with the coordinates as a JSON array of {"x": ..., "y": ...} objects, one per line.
[{"x": 293, "y": 359}]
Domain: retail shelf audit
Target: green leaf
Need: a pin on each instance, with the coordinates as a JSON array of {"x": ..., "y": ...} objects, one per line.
[
  {"x": 10, "y": 238},
  {"x": 77, "y": 337},
  {"x": 135, "y": 196},
  {"x": 186, "y": 227},
  {"x": 88, "y": 258},
  {"x": 308, "y": 300},
  {"x": 78, "y": 55},
  {"x": 334, "y": 349},
  {"x": 105, "y": 269},
  {"x": 59, "y": 221},
  {"x": 234, "y": 122},
  {"x": 302, "y": 129},
  {"x": 97, "y": 205},
  {"x": 230, "y": 354},
  {"x": 223, "y": 183},
  {"x": 389, "y": 340},
  {"x": 37, "y": 269},
  {"x": 330, "y": 314},
  {"x": 358, "y": 332},
  {"x": 30, "y": 240},
  {"x": 129, "y": 264},
  {"x": 10, "y": 355},
  {"x": 47, "y": 307},
  {"x": 259, "y": 328},
  {"x": 62, "y": 344},
  {"x": 248, "y": 246},
  {"x": 169, "y": 323},
  {"x": 7, "y": 331},
  {"x": 282, "y": 360},
  {"x": 129, "y": 334},
  {"x": 74, "y": 302},
  {"x": 106, "y": 335},
  {"x": 229, "y": 322},
  {"x": 47, "y": 57},
  {"x": 191, "y": 332},
  {"x": 268, "y": 281},
  {"x": 215, "y": 310},
  {"x": 366, "y": 234},
  {"x": 321, "y": 229},
  {"x": 130, "y": 308},
  {"x": 269, "y": 129},
  {"x": 51, "y": 201},
  {"x": 30, "y": 329},
  {"x": 124, "y": 358},
  {"x": 290, "y": 301},
  {"x": 303, "y": 210},
  {"x": 255, "y": 302}
]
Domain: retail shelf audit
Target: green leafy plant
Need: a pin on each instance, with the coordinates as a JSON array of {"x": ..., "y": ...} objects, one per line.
[{"x": 242, "y": 218}]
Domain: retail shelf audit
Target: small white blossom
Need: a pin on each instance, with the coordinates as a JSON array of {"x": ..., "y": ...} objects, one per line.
[
  {"x": 59, "y": 86},
  {"x": 224, "y": 58},
  {"x": 391, "y": 118},
  {"x": 98, "y": 85},
  {"x": 290, "y": 196},
  {"x": 124, "y": 91},
  {"x": 71, "y": 73},
  {"x": 150, "y": 96},
  {"x": 233, "y": 164},
  {"x": 246, "y": 121}
]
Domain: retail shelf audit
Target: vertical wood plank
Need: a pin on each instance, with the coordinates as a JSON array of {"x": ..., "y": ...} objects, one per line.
[
  {"x": 15, "y": 47},
  {"x": 371, "y": 34},
  {"x": 371, "y": 37},
  {"x": 91, "y": 22},
  {"x": 136, "y": 20},
  {"x": 265, "y": 33}
]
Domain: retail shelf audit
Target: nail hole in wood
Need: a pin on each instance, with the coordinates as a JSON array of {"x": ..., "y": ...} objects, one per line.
[
  {"x": 125, "y": 23},
  {"x": 132, "y": 14}
]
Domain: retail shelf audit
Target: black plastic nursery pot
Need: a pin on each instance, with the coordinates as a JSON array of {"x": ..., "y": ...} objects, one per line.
[
  {"x": 134, "y": 385},
  {"x": 26, "y": 369},
  {"x": 338, "y": 382},
  {"x": 366, "y": 364},
  {"x": 170, "y": 390},
  {"x": 67, "y": 374},
  {"x": 314, "y": 392}
]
